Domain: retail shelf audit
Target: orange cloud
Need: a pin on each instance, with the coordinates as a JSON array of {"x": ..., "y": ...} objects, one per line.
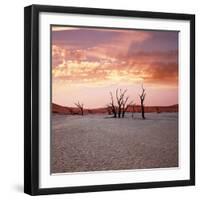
[
  {"x": 152, "y": 67},
  {"x": 114, "y": 60}
]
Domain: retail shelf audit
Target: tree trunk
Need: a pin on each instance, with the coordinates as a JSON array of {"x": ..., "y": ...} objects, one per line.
[
  {"x": 142, "y": 110},
  {"x": 119, "y": 113},
  {"x": 142, "y": 97}
]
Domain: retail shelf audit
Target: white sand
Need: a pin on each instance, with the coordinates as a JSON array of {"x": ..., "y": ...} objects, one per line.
[{"x": 95, "y": 143}]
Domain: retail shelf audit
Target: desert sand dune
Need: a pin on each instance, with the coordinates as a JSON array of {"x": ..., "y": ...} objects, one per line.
[{"x": 137, "y": 108}]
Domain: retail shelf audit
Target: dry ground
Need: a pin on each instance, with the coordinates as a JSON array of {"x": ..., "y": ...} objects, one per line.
[{"x": 96, "y": 142}]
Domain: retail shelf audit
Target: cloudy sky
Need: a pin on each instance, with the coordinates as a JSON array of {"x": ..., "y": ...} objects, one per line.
[{"x": 88, "y": 63}]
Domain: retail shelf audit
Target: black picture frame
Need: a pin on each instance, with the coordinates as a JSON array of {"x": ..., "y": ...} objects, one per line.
[{"x": 31, "y": 98}]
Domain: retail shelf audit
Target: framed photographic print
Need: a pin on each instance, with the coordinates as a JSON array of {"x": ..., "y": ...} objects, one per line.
[{"x": 109, "y": 99}]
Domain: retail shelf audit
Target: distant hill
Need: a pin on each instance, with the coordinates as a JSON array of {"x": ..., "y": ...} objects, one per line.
[
  {"x": 158, "y": 109},
  {"x": 75, "y": 111},
  {"x": 63, "y": 110}
]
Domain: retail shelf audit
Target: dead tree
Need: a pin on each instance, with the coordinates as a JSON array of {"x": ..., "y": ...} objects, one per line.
[
  {"x": 80, "y": 107},
  {"x": 112, "y": 106},
  {"x": 142, "y": 97},
  {"x": 125, "y": 106},
  {"x": 121, "y": 101},
  {"x": 120, "y": 95}
]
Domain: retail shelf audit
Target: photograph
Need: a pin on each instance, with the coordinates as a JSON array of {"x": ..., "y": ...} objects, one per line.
[
  {"x": 109, "y": 99},
  {"x": 114, "y": 99}
]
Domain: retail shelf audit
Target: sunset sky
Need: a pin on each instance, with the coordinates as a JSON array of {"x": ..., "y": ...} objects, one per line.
[{"x": 88, "y": 63}]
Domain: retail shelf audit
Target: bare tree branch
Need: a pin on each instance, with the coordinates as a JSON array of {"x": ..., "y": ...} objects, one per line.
[
  {"x": 80, "y": 106},
  {"x": 121, "y": 101}
]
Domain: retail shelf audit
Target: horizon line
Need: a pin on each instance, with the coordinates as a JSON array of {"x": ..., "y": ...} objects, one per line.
[{"x": 105, "y": 106}]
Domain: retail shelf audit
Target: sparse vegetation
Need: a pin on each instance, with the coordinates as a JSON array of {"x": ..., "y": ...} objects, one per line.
[
  {"x": 80, "y": 107},
  {"x": 120, "y": 109}
]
